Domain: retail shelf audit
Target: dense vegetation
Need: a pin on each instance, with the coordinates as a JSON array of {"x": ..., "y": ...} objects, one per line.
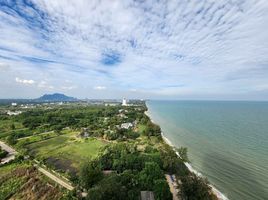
[
  {"x": 90, "y": 145},
  {"x": 3, "y": 153}
]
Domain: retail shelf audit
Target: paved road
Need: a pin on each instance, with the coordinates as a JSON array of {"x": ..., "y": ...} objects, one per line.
[
  {"x": 63, "y": 183},
  {"x": 11, "y": 153}
]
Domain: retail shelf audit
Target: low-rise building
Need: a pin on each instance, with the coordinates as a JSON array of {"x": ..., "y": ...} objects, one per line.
[
  {"x": 122, "y": 115},
  {"x": 84, "y": 133},
  {"x": 13, "y": 112},
  {"x": 126, "y": 125}
]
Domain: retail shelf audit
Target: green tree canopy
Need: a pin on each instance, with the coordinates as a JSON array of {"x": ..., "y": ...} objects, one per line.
[{"x": 90, "y": 173}]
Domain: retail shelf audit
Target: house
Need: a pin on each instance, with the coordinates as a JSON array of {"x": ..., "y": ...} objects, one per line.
[
  {"x": 111, "y": 104},
  {"x": 122, "y": 115},
  {"x": 126, "y": 125},
  {"x": 147, "y": 195},
  {"x": 84, "y": 133},
  {"x": 13, "y": 113}
]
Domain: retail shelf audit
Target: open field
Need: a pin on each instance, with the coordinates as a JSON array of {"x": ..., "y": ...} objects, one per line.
[{"x": 65, "y": 152}]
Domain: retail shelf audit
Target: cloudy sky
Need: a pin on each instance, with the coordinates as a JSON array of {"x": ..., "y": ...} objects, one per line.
[{"x": 170, "y": 49}]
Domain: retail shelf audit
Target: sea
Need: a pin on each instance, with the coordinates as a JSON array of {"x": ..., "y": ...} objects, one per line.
[{"x": 227, "y": 142}]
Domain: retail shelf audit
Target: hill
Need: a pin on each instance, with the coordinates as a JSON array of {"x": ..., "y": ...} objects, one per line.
[{"x": 55, "y": 97}]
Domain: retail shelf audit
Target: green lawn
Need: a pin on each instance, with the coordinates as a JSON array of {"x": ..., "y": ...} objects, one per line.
[
  {"x": 141, "y": 128},
  {"x": 66, "y": 148}
]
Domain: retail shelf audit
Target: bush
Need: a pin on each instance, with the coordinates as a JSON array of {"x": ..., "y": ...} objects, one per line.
[
  {"x": 109, "y": 188},
  {"x": 162, "y": 190},
  {"x": 183, "y": 154},
  {"x": 11, "y": 139},
  {"x": 3, "y": 153},
  {"x": 149, "y": 174},
  {"x": 195, "y": 187},
  {"x": 90, "y": 174}
]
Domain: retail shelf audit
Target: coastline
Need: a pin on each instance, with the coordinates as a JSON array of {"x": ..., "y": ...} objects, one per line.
[{"x": 218, "y": 194}]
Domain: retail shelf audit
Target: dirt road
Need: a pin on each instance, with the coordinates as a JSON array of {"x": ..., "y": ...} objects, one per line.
[
  {"x": 11, "y": 153},
  {"x": 68, "y": 186},
  {"x": 172, "y": 187}
]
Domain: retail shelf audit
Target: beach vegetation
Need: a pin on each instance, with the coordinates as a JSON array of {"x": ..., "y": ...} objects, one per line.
[
  {"x": 196, "y": 187},
  {"x": 183, "y": 153}
]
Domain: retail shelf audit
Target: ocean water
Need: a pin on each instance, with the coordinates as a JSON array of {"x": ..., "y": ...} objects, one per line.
[{"x": 227, "y": 142}]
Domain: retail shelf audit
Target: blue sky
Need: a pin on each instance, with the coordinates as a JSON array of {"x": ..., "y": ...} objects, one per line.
[{"x": 198, "y": 49}]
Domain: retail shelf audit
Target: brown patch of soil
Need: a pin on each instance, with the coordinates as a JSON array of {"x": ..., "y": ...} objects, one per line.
[{"x": 62, "y": 164}]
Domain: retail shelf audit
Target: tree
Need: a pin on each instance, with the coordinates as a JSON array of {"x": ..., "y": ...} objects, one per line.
[
  {"x": 149, "y": 174},
  {"x": 169, "y": 158},
  {"x": 152, "y": 130},
  {"x": 11, "y": 139},
  {"x": 12, "y": 126},
  {"x": 3, "y": 153},
  {"x": 183, "y": 154},
  {"x": 108, "y": 188},
  {"x": 90, "y": 174},
  {"x": 162, "y": 190},
  {"x": 128, "y": 179},
  {"x": 195, "y": 188}
]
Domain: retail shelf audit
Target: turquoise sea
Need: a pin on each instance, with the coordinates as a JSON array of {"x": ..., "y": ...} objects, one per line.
[{"x": 227, "y": 142}]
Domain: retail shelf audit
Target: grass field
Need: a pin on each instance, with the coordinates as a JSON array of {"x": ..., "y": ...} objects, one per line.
[{"x": 66, "y": 151}]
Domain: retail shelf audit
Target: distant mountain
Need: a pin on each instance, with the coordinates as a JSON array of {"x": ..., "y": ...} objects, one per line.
[{"x": 56, "y": 97}]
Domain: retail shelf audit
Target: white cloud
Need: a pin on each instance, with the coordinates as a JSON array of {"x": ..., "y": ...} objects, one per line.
[
  {"x": 68, "y": 87},
  {"x": 99, "y": 88},
  {"x": 24, "y": 81},
  {"x": 45, "y": 85},
  {"x": 155, "y": 44},
  {"x": 4, "y": 67}
]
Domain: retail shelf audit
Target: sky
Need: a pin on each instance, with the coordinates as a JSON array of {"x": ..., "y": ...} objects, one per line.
[{"x": 165, "y": 49}]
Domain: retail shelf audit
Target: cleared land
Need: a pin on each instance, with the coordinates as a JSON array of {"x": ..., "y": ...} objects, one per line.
[
  {"x": 21, "y": 181},
  {"x": 65, "y": 152}
]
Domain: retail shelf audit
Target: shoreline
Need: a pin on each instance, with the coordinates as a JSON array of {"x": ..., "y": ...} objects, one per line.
[{"x": 218, "y": 194}]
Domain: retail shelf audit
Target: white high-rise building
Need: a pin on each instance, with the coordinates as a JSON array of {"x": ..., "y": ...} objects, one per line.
[{"x": 124, "y": 102}]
